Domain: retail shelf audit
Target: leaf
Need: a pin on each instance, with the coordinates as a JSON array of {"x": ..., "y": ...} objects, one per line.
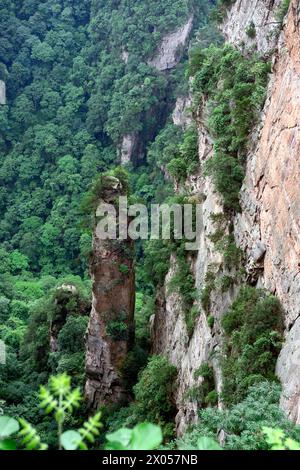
[
  {"x": 8, "y": 444},
  {"x": 8, "y": 426},
  {"x": 122, "y": 437},
  {"x": 70, "y": 440},
  {"x": 274, "y": 437},
  {"x": 206, "y": 443},
  {"x": 146, "y": 436},
  {"x": 115, "y": 446},
  {"x": 30, "y": 438},
  {"x": 292, "y": 445}
]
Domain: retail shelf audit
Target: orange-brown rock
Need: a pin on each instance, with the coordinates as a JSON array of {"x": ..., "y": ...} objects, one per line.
[
  {"x": 271, "y": 201},
  {"x": 111, "y": 325}
]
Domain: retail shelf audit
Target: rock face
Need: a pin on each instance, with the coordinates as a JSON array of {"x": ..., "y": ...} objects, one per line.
[
  {"x": 128, "y": 148},
  {"x": 181, "y": 115},
  {"x": 2, "y": 92},
  {"x": 111, "y": 325},
  {"x": 169, "y": 331},
  {"x": 271, "y": 202},
  {"x": 257, "y": 14},
  {"x": 167, "y": 56},
  {"x": 268, "y": 228}
]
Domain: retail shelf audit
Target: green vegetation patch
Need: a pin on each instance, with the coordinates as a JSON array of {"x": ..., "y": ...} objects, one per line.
[
  {"x": 235, "y": 88},
  {"x": 253, "y": 329}
]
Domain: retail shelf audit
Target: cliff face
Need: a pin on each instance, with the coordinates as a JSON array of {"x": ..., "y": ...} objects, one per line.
[
  {"x": 268, "y": 228},
  {"x": 167, "y": 56},
  {"x": 270, "y": 200},
  {"x": 111, "y": 325},
  {"x": 257, "y": 15}
]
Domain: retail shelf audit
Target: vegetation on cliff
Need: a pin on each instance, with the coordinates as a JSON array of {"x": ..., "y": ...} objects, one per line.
[{"x": 78, "y": 80}]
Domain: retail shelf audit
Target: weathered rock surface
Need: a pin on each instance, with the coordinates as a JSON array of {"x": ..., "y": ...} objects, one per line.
[
  {"x": 167, "y": 56},
  {"x": 259, "y": 14},
  {"x": 169, "y": 331},
  {"x": 271, "y": 202},
  {"x": 2, "y": 92},
  {"x": 181, "y": 115},
  {"x": 268, "y": 229},
  {"x": 128, "y": 148},
  {"x": 111, "y": 325}
]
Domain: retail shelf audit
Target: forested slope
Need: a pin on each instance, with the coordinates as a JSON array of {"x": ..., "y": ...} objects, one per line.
[{"x": 78, "y": 79}]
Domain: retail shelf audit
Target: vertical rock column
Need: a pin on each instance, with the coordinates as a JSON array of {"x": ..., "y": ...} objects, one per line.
[{"x": 111, "y": 327}]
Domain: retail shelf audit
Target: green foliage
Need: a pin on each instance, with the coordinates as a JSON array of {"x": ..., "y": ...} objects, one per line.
[
  {"x": 278, "y": 441},
  {"x": 154, "y": 390},
  {"x": 73, "y": 440},
  {"x": 251, "y": 31},
  {"x": 219, "y": 12},
  {"x": 204, "y": 393},
  {"x": 211, "y": 321},
  {"x": 117, "y": 329},
  {"x": 282, "y": 10},
  {"x": 123, "y": 268},
  {"x": 71, "y": 98},
  {"x": 235, "y": 89},
  {"x": 30, "y": 438},
  {"x": 8, "y": 427},
  {"x": 153, "y": 398},
  {"x": 142, "y": 437},
  {"x": 243, "y": 423},
  {"x": 186, "y": 160},
  {"x": 254, "y": 331},
  {"x": 184, "y": 283},
  {"x": 257, "y": 424}
]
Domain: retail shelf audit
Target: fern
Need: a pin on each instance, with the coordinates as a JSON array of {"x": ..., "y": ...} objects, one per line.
[
  {"x": 30, "y": 438},
  {"x": 90, "y": 430},
  {"x": 48, "y": 402},
  {"x": 60, "y": 399}
]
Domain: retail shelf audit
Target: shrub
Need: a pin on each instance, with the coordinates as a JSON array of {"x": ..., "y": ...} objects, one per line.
[
  {"x": 235, "y": 88},
  {"x": 205, "y": 393},
  {"x": 282, "y": 10},
  {"x": 251, "y": 31},
  {"x": 254, "y": 331},
  {"x": 117, "y": 329},
  {"x": 242, "y": 424},
  {"x": 154, "y": 400},
  {"x": 187, "y": 160},
  {"x": 183, "y": 282},
  {"x": 211, "y": 321}
]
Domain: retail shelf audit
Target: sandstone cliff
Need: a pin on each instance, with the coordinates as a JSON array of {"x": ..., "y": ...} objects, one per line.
[
  {"x": 268, "y": 227},
  {"x": 111, "y": 325}
]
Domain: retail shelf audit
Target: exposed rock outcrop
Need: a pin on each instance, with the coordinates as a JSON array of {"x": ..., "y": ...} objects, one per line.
[
  {"x": 169, "y": 331},
  {"x": 271, "y": 202},
  {"x": 267, "y": 229},
  {"x": 128, "y": 148},
  {"x": 167, "y": 56},
  {"x": 181, "y": 115},
  {"x": 2, "y": 92},
  {"x": 111, "y": 325},
  {"x": 256, "y": 15}
]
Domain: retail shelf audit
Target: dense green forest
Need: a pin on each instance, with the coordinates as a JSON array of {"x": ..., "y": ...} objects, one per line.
[{"x": 71, "y": 97}]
